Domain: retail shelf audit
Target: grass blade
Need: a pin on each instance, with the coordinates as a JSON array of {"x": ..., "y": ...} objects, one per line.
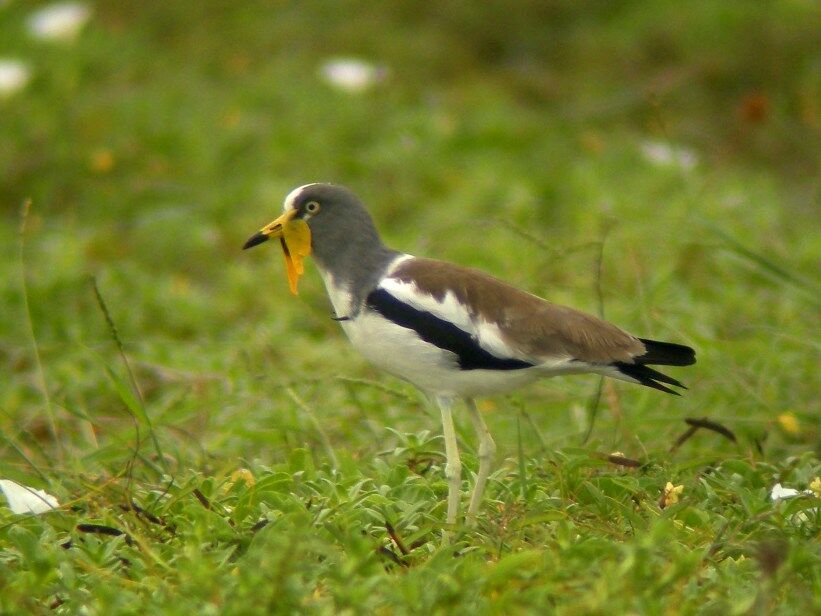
[
  {"x": 521, "y": 454},
  {"x": 132, "y": 397},
  {"x": 41, "y": 373},
  {"x": 768, "y": 266}
]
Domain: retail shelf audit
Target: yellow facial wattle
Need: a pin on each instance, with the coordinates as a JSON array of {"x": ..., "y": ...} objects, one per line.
[
  {"x": 296, "y": 245},
  {"x": 294, "y": 236}
]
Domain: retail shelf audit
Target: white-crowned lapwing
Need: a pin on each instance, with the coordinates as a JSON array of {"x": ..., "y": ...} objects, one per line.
[{"x": 452, "y": 331}]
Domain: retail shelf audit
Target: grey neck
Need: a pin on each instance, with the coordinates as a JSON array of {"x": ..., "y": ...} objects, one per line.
[{"x": 356, "y": 265}]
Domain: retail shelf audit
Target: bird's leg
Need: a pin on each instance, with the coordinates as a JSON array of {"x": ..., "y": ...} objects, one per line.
[
  {"x": 453, "y": 465},
  {"x": 487, "y": 451}
]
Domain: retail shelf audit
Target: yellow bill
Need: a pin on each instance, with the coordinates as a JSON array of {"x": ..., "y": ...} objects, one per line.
[{"x": 294, "y": 237}]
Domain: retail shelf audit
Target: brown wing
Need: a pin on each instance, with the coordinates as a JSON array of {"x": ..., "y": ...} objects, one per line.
[{"x": 532, "y": 326}]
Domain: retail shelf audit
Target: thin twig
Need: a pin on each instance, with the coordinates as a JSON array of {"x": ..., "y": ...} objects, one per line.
[
  {"x": 705, "y": 423},
  {"x": 101, "y": 529},
  {"x": 593, "y": 409},
  {"x": 593, "y": 405},
  {"x": 202, "y": 498},
  {"x": 622, "y": 461},
  {"x": 711, "y": 425},
  {"x": 384, "y": 551},
  {"x": 683, "y": 438},
  {"x": 396, "y": 538}
]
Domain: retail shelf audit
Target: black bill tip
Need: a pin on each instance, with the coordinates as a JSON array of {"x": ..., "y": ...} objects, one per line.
[{"x": 255, "y": 240}]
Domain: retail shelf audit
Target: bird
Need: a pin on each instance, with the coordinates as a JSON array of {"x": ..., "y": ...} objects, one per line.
[{"x": 452, "y": 331}]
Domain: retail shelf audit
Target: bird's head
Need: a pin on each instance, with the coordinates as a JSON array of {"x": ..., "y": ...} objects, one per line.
[{"x": 323, "y": 219}]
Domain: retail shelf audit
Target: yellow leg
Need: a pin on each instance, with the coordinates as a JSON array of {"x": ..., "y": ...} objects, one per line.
[
  {"x": 487, "y": 451},
  {"x": 453, "y": 465}
]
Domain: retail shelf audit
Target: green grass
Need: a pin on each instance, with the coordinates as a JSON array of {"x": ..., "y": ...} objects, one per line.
[{"x": 508, "y": 138}]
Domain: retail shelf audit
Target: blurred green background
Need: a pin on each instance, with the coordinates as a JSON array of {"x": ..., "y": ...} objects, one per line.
[
  {"x": 509, "y": 137},
  {"x": 515, "y": 137}
]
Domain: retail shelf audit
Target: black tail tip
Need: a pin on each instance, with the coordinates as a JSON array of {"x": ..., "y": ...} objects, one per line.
[
  {"x": 645, "y": 375},
  {"x": 666, "y": 354}
]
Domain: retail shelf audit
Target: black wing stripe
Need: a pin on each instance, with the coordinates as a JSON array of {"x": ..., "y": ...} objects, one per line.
[{"x": 440, "y": 333}]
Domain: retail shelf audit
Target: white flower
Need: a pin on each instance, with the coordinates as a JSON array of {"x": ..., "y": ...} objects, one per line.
[
  {"x": 23, "y": 499},
  {"x": 351, "y": 74},
  {"x": 665, "y": 155},
  {"x": 61, "y": 21},
  {"x": 779, "y": 492},
  {"x": 14, "y": 75}
]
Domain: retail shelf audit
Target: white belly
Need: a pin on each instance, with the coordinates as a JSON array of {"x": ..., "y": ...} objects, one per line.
[{"x": 399, "y": 351}]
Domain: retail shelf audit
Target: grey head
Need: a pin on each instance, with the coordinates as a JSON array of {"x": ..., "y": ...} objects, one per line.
[{"x": 344, "y": 240}]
